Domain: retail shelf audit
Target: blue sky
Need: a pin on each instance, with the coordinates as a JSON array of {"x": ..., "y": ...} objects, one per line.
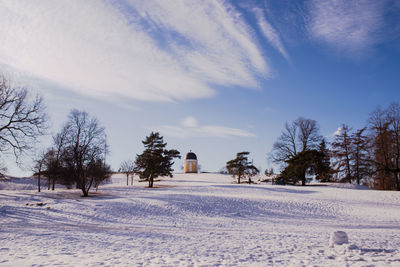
[{"x": 216, "y": 77}]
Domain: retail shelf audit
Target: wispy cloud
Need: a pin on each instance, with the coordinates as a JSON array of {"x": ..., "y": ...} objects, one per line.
[
  {"x": 145, "y": 50},
  {"x": 190, "y": 128},
  {"x": 351, "y": 26},
  {"x": 269, "y": 32}
]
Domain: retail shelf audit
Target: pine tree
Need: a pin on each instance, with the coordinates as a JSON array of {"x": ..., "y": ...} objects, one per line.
[
  {"x": 323, "y": 167},
  {"x": 360, "y": 155},
  {"x": 155, "y": 160},
  {"x": 241, "y": 167},
  {"x": 342, "y": 151},
  {"x": 300, "y": 166}
]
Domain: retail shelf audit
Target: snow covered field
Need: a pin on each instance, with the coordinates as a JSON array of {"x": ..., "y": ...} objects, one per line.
[{"x": 197, "y": 220}]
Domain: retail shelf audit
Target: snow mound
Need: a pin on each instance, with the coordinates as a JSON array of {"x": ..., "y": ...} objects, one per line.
[{"x": 338, "y": 238}]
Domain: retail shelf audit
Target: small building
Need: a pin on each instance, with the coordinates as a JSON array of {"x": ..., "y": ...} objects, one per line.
[{"x": 190, "y": 164}]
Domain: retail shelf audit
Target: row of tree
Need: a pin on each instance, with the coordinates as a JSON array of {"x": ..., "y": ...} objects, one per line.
[
  {"x": 370, "y": 155},
  {"x": 77, "y": 154}
]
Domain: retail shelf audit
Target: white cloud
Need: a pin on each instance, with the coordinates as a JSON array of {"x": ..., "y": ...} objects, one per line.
[
  {"x": 189, "y": 122},
  {"x": 158, "y": 51},
  {"x": 270, "y": 33},
  {"x": 189, "y": 128},
  {"x": 350, "y": 26}
]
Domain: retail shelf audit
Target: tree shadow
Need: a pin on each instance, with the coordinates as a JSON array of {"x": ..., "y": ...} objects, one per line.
[{"x": 277, "y": 189}]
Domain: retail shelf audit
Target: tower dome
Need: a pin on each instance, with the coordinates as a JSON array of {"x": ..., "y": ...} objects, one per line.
[
  {"x": 191, "y": 155},
  {"x": 190, "y": 164}
]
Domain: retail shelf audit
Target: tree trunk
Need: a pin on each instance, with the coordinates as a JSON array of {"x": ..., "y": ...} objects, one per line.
[
  {"x": 39, "y": 182},
  {"x": 303, "y": 178},
  {"x": 151, "y": 182},
  {"x": 131, "y": 179},
  {"x": 85, "y": 192},
  {"x": 396, "y": 177},
  {"x": 54, "y": 184},
  {"x": 127, "y": 179}
]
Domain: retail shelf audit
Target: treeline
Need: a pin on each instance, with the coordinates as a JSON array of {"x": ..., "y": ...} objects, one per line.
[
  {"x": 76, "y": 157},
  {"x": 368, "y": 156},
  {"x": 78, "y": 151}
]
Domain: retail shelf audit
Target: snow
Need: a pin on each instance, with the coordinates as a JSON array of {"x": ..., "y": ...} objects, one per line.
[
  {"x": 338, "y": 238},
  {"x": 197, "y": 220}
]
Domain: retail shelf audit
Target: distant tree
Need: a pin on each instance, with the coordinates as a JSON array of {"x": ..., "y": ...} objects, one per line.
[
  {"x": 342, "y": 154},
  {"x": 269, "y": 172},
  {"x": 21, "y": 121},
  {"x": 223, "y": 170},
  {"x": 301, "y": 166},
  {"x": 99, "y": 172},
  {"x": 57, "y": 163},
  {"x": 291, "y": 149},
  {"x": 323, "y": 169},
  {"x": 241, "y": 167},
  {"x": 299, "y": 136},
  {"x": 39, "y": 166},
  {"x": 360, "y": 156},
  {"x": 82, "y": 151},
  {"x": 286, "y": 146},
  {"x": 384, "y": 127},
  {"x": 3, "y": 170},
  {"x": 128, "y": 168},
  {"x": 155, "y": 160}
]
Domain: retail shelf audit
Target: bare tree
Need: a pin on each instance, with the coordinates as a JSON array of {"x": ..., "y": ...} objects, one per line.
[
  {"x": 384, "y": 126},
  {"x": 308, "y": 136},
  {"x": 299, "y": 136},
  {"x": 39, "y": 166},
  {"x": 21, "y": 120},
  {"x": 83, "y": 149},
  {"x": 128, "y": 167},
  {"x": 3, "y": 169},
  {"x": 55, "y": 159},
  {"x": 286, "y": 146}
]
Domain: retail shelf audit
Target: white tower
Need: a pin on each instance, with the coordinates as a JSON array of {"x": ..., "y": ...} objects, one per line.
[{"x": 190, "y": 165}]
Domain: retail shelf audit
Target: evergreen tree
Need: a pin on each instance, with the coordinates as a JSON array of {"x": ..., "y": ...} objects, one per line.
[
  {"x": 240, "y": 167},
  {"x": 361, "y": 168},
  {"x": 300, "y": 166},
  {"x": 155, "y": 160},
  {"x": 342, "y": 154},
  {"x": 323, "y": 167}
]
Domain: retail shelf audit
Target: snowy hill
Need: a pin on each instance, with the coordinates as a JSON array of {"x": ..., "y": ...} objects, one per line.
[{"x": 197, "y": 220}]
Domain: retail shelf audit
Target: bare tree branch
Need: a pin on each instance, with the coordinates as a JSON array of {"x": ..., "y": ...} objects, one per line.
[{"x": 21, "y": 120}]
